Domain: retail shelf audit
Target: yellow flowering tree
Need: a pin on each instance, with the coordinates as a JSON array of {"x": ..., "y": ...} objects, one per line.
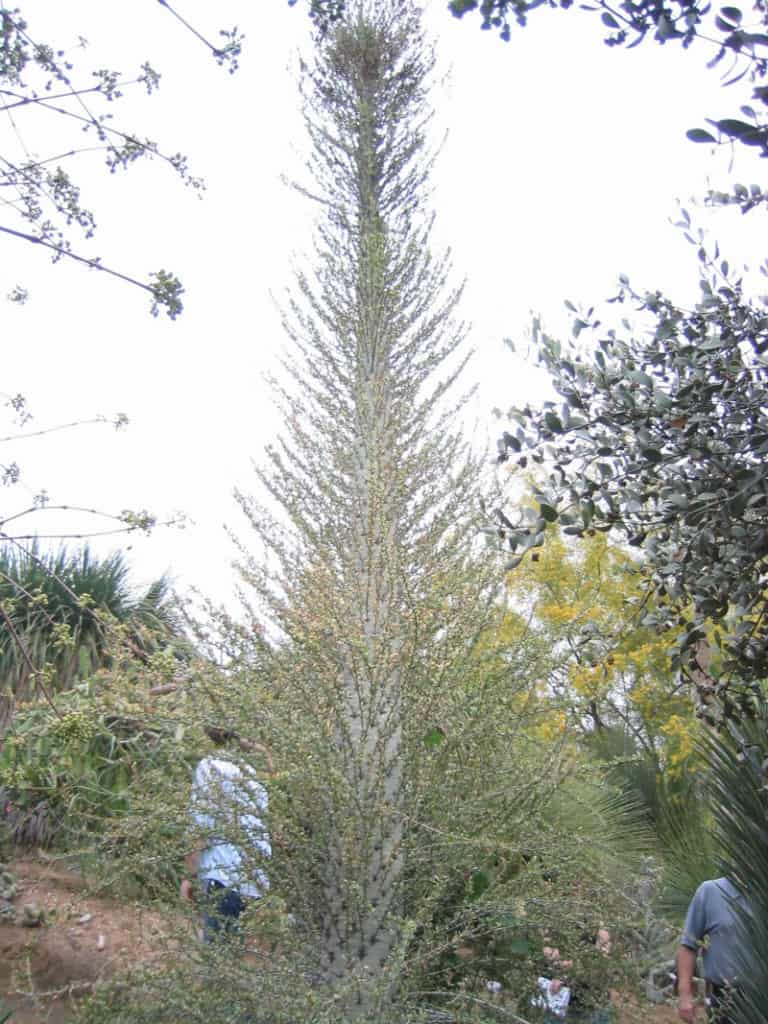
[
  {"x": 581, "y": 603},
  {"x": 606, "y": 685}
]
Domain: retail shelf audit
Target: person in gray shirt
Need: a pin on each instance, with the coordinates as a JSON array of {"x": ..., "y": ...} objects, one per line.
[{"x": 712, "y": 927}]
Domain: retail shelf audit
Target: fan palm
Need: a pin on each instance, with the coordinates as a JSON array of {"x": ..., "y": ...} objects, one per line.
[
  {"x": 43, "y": 592},
  {"x": 673, "y": 805}
]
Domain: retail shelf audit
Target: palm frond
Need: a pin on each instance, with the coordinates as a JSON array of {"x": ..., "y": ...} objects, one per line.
[
  {"x": 674, "y": 806},
  {"x": 44, "y": 590},
  {"x": 738, "y": 763}
]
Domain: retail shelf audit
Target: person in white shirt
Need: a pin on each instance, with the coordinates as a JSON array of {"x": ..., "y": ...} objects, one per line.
[{"x": 227, "y": 808}]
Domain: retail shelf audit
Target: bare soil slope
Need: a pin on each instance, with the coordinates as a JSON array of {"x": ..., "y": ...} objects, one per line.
[{"x": 83, "y": 937}]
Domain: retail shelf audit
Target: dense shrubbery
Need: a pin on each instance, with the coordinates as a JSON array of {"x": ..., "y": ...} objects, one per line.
[
  {"x": 67, "y": 767},
  {"x": 520, "y": 847},
  {"x": 495, "y": 879}
]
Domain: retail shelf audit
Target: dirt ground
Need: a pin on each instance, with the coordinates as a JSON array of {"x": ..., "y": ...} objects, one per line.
[
  {"x": 82, "y": 938},
  {"x": 633, "y": 1013}
]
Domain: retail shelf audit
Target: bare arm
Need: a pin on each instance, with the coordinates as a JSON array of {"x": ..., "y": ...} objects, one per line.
[
  {"x": 191, "y": 864},
  {"x": 686, "y": 968},
  {"x": 252, "y": 747},
  {"x": 553, "y": 955}
]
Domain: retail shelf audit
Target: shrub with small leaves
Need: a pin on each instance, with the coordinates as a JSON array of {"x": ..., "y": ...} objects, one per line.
[{"x": 76, "y": 760}]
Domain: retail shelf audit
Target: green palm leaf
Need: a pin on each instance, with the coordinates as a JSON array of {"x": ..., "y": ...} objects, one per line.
[
  {"x": 41, "y": 591},
  {"x": 737, "y": 758}
]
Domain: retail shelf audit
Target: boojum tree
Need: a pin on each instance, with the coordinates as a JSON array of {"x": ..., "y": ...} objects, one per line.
[{"x": 367, "y": 572}]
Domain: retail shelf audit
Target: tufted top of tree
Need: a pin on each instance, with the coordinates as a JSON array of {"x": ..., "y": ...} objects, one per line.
[
  {"x": 663, "y": 436},
  {"x": 736, "y": 43}
]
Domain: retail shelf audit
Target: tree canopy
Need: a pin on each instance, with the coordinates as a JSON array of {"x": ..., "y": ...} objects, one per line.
[{"x": 662, "y": 435}]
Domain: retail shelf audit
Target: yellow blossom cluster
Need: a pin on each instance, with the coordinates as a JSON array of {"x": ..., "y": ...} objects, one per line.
[
  {"x": 681, "y": 734},
  {"x": 551, "y": 727},
  {"x": 588, "y": 680},
  {"x": 560, "y": 614}
]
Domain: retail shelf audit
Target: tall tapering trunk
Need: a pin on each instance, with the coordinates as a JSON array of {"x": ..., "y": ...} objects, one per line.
[{"x": 378, "y": 491}]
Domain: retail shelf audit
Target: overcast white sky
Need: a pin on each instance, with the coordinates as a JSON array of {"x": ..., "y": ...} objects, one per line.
[{"x": 563, "y": 165}]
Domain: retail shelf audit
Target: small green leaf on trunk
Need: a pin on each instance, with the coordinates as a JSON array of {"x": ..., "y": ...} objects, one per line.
[{"x": 433, "y": 737}]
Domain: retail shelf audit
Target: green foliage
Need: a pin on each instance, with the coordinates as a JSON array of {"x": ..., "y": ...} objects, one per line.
[
  {"x": 661, "y": 436},
  {"x": 324, "y": 13},
  {"x": 166, "y": 291},
  {"x": 688, "y": 850},
  {"x": 734, "y": 38},
  {"x": 681, "y": 21},
  {"x": 411, "y": 813},
  {"x": 508, "y": 872},
  {"x": 199, "y": 990},
  {"x": 212, "y": 985},
  {"x": 554, "y": 883},
  {"x": 493, "y": 834},
  {"x": 407, "y": 789},
  {"x": 674, "y": 806},
  {"x": 57, "y": 770},
  {"x": 65, "y": 770},
  {"x": 369, "y": 585},
  {"x": 63, "y": 610}
]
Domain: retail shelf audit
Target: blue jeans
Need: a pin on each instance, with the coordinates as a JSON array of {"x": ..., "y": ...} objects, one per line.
[{"x": 222, "y": 908}]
